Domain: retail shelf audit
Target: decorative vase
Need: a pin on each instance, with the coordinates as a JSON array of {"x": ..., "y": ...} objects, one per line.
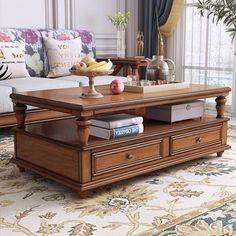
[{"x": 121, "y": 43}]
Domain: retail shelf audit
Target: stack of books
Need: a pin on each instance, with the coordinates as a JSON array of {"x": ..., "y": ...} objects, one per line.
[{"x": 116, "y": 126}]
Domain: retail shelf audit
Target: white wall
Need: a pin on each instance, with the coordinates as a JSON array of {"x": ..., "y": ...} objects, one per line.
[
  {"x": 93, "y": 16},
  {"x": 25, "y": 13},
  {"x": 73, "y": 14}
]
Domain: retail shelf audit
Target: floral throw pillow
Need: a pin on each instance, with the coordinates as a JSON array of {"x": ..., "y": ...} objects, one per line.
[
  {"x": 12, "y": 61},
  {"x": 34, "y": 51},
  {"x": 62, "y": 55}
]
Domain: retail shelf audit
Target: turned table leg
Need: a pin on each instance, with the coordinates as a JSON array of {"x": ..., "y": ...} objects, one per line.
[
  {"x": 220, "y": 106},
  {"x": 83, "y": 130},
  {"x": 127, "y": 70},
  {"x": 135, "y": 71},
  {"x": 84, "y": 194},
  {"x": 20, "y": 110},
  {"x": 219, "y": 154},
  {"x": 21, "y": 169}
]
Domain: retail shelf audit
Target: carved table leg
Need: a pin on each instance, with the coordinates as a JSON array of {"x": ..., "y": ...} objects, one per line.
[
  {"x": 83, "y": 130},
  {"x": 20, "y": 114},
  {"x": 127, "y": 70},
  {"x": 21, "y": 169},
  {"x": 84, "y": 194},
  {"x": 117, "y": 69},
  {"x": 220, "y": 106},
  {"x": 219, "y": 154},
  {"x": 135, "y": 71}
]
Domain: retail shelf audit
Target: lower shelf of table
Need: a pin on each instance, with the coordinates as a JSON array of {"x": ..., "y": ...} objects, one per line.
[{"x": 51, "y": 150}]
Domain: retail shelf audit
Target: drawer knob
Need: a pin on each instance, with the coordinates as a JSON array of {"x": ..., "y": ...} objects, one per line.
[
  {"x": 198, "y": 139},
  {"x": 188, "y": 107},
  {"x": 129, "y": 157}
]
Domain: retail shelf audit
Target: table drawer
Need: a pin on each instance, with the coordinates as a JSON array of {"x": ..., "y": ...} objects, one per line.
[
  {"x": 108, "y": 161},
  {"x": 196, "y": 139}
]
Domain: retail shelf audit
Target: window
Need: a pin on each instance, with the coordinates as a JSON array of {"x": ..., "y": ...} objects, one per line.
[{"x": 205, "y": 53}]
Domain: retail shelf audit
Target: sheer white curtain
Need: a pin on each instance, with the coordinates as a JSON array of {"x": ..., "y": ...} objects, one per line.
[{"x": 203, "y": 52}]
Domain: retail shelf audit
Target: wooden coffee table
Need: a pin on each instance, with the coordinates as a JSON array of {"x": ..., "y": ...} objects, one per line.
[{"x": 63, "y": 150}]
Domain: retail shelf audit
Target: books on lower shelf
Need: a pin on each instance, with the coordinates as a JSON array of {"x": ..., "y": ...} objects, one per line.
[
  {"x": 116, "y": 120},
  {"x": 116, "y": 126},
  {"x": 116, "y": 132}
]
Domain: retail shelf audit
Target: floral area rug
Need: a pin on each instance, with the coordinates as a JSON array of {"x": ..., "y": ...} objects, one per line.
[{"x": 197, "y": 198}]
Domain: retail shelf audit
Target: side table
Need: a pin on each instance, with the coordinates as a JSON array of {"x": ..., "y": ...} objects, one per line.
[{"x": 130, "y": 65}]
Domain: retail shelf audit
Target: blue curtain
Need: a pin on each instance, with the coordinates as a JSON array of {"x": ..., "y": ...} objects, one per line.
[{"x": 156, "y": 13}]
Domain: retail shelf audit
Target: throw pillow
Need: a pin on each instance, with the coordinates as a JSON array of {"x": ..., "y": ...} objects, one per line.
[
  {"x": 62, "y": 55},
  {"x": 12, "y": 61}
]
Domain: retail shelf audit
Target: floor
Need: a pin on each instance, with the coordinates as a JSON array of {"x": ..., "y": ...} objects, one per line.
[{"x": 194, "y": 198}]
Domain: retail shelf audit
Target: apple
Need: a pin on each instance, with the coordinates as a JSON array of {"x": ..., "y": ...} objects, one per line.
[
  {"x": 117, "y": 87},
  {"x": 79, "y": 66},
  {"x": 82, "y": 64}
]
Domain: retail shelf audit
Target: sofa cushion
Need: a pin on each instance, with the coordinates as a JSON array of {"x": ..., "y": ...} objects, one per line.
[
  {"x": 99, "y": 80},
  {"x": 62, "y": 55},
  {"x": 34, "y": 51},
  {"x": 35, "y": 56},
  {"x": 5, "y": 101},
  {"x": 12, "y": 60},
  {"x": 33, "y": 84},
  {"x": 87, "y": 38}
]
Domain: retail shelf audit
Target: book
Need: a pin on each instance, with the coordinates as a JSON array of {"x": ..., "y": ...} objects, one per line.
[
  {"x": 116, "y": 132},
  {"x": 116, "y": 120}
]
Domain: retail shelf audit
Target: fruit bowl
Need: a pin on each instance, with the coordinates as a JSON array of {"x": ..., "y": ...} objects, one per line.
[
  {"x": 92, "y": 93},
  {"x": 90, "y": 73}
]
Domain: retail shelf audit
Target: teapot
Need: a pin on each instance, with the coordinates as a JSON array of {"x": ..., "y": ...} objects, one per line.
[{"x": 159, "y": 68}]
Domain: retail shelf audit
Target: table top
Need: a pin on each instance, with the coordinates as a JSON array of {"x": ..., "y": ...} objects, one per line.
[{"x": 69, "y": 101}]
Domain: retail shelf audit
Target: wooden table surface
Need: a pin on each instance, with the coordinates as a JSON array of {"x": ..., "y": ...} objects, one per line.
[{"x": 69, "y": 99}]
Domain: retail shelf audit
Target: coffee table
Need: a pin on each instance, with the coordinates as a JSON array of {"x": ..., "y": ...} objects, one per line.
[{"x": 64, "y": 151}]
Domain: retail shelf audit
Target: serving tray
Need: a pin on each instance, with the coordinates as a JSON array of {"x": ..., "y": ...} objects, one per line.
[{"x": 155, "y": 88}]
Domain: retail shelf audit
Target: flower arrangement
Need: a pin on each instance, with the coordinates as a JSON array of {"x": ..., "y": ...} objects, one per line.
[
  {"x": 220, "y": 10},
  {"x": 120, "y": 20}
]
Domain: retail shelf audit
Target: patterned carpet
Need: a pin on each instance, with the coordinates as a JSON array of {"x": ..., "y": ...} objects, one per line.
[{"x": 197, "y": 198}]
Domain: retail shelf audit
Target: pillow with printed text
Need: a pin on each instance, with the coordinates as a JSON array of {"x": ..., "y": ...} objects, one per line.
[
  {"x": 12, "y": 61},
  {"x": 62, "y": 55}
]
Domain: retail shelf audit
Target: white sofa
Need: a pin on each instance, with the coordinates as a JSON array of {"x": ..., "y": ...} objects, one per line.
[{"x": 37, "y": 65}]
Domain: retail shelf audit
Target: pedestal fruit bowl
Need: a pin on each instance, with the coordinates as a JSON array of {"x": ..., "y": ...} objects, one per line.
[{"x": 91, "y": 70}]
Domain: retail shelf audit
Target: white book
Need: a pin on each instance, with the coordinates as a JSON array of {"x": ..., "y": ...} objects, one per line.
[
  {"x": 116, "y": 120},
  {"x": 116, "y": 132}
]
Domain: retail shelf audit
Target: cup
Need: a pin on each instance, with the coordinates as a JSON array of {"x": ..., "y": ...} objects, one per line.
[
  {"x": 147, "y": 82},
  {"x": 131, "y": 80},
  {"x": 152, "y": 82}
]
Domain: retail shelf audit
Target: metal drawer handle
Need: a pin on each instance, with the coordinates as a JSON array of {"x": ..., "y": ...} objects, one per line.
[
  {"x": 129, "y": 157},
  {"x": 198, "y": 139},
  {"x": 188, "y": 107}
]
